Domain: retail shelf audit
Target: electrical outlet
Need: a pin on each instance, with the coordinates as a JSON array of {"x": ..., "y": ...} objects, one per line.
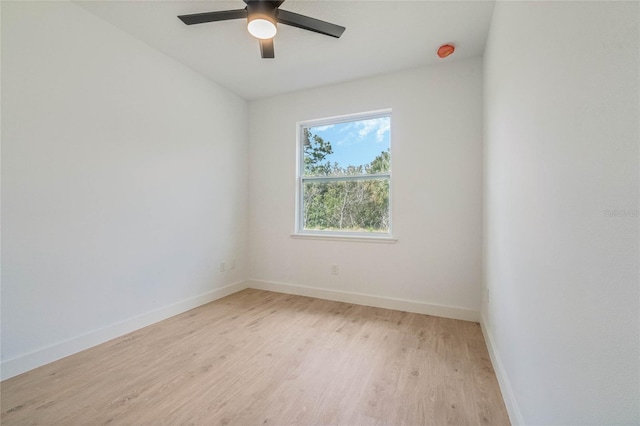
[
  {"x": 334, "y": 270},
  {"x": 223, "y": 267}
]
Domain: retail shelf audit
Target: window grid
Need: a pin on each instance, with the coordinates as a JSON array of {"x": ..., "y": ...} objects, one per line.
[{"x": 361, "y": 177}]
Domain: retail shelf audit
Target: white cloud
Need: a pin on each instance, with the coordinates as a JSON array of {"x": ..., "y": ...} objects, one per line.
[
  {"x": 385, "y": 126},
  {"x": 323, "y": 128},
  {"x": 378, "y": 125}
]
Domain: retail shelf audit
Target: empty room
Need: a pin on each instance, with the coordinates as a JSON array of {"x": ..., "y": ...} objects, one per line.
[{"x": 320, "y": 212}]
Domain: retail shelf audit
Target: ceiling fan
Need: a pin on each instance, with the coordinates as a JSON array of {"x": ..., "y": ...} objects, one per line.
[{"x": 262, "y": 16}]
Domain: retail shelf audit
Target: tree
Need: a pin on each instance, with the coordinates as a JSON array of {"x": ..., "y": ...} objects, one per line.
[
  {"x": 381, "y": 164},
  {"x": 316, "y": 150},
  {"x": 354, "y": 204}
]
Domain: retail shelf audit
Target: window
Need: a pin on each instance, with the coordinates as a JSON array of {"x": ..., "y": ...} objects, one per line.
[{"x": 344, "y": 175}]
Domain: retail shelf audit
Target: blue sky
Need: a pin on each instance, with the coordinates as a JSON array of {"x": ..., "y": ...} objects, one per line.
[{"x": 356, "y": 142}]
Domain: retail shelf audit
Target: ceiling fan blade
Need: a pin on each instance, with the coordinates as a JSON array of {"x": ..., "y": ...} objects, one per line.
[
  {"x": 308, "y": 23},
  {"x": 266, "y": 48},
  {"x": 224, "y": 15}
]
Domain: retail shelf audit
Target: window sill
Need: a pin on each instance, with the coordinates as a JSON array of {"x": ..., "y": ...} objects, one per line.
[{"x": 352, "y": 238}]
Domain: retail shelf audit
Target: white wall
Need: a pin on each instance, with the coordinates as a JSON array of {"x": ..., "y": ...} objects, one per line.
[
  {"x": 561, "y": 153},
  {"x": 124, "y": 183},
  {"x": 437, "y": 191}
]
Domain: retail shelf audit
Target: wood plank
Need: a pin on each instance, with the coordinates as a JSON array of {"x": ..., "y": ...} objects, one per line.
[{"x": 259, "y": 357}]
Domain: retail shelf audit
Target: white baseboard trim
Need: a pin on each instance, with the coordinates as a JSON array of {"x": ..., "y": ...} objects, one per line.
[
  {"x": 515, "y": 416},
  {"x": 40, "y": 357},
  {"x": 368, "y": 300}
]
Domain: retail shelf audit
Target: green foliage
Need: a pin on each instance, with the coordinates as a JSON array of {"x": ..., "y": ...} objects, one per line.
[
  {"x": 381, "y": 164},
  {"x": 315, "y": 151},
  {"x": 360, "y": 205}
]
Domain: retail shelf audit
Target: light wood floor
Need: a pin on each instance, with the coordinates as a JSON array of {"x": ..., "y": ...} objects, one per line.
[{"x": 262, "y": 358}]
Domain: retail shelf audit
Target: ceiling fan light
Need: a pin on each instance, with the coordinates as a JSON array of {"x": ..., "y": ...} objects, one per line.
[{"x": 262, "y": 28}]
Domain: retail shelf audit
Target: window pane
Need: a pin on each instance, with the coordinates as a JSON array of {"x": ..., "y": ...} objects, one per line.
[
  {"x": 351, "y": 205},
  {"x": 351, "y": 148}
]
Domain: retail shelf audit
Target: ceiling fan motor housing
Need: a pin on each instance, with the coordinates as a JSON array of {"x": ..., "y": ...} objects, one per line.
[{"x": 261, "y": 10}]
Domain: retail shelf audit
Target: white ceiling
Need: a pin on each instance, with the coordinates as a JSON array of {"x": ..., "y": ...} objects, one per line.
[{"x": 381, "y": 37}]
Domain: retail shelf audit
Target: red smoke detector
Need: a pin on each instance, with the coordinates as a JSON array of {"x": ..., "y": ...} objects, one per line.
[{"x": 446, "y": 50}]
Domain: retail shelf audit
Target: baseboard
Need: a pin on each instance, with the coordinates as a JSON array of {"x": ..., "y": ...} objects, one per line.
[
  {"x": 24, "y": 363},
  {"x": 515, "y": 416},
  {"x": 368, "y": 300}
]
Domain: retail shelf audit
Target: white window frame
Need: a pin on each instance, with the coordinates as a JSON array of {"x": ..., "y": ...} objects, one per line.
[{"x": 300, "y": 232}]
